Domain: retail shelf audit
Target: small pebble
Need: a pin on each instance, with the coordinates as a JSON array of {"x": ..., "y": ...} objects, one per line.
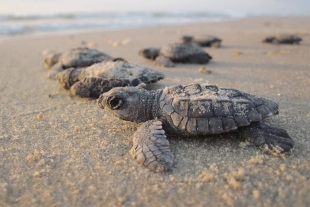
[
  {"x": 203, "y": 70},
  {"x": 41, "y": 162},
  {"x": 256, "y": 194},
  {"x": 242, "y": 144},
  {"x": 40, "y": 116},
  {"x": 237, "y": 52},
  {"x": 282, "y": 167},
  {"x": 232, "y": 182},
  {"x": 125, "y": 41},
  {"x": 91, "y": 45},
  {"x": 116, "y": 44}
]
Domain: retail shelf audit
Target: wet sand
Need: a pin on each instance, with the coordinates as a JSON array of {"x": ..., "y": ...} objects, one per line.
[{"x": 61, "y": 150}]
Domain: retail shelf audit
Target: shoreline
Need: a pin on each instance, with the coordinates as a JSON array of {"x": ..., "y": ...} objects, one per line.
[
  {"x": 17, "y": 37},
  {"x": 86, "y": 31},
  {"x": 61, "y": 150}
]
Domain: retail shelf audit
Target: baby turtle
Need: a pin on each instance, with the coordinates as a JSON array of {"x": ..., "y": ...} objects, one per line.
[
  {"x": 283, "y": 39},
  {"x": 186, "y": 110},
  {"x": 176, "y": 53},
  {"x": 74, "y": 58},
  {"x": 101, "y": 77},
  {"x": 202, "y": 40}
]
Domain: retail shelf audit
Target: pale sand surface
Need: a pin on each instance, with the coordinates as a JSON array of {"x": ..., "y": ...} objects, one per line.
[{"x": 78, "y": 155}]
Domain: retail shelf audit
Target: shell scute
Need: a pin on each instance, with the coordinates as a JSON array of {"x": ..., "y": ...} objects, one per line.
[
  {"x": 176, "y": 118},
  {"x": 253, "y": 115},
  {"x": 229, "y": 124},
  {"x": 200, "y": 108},
  {"x": 191, "y": 126},
  {"x": 241, "y": 120},
  {"x": 263, "y": 110},
  {"x": 223, "y": 108},
  {"x": 213, "y": 88},
  {"x": 215, "y": 125},
  {"x": 202, "y": 125},
  {"x": 180, "y": 105},
  {"x": 192, "y": 89},
  {"x": 182, "y": 125},
  {"x": 168, "y": 109}
]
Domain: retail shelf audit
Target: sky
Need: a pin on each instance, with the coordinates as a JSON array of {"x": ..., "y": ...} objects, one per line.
[{"x": 265, "y": 7}]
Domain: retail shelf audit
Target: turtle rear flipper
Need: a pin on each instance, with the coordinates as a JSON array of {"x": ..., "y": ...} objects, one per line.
[
  {"x": 151, "y": 148},
  {"x": 261, "y": 134}
]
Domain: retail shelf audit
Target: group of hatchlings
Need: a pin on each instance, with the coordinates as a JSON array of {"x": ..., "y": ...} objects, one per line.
[{"x": 182, "y": 110}]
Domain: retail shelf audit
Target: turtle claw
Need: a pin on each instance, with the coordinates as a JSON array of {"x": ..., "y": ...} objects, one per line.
[{"x": 151, "y": 148}]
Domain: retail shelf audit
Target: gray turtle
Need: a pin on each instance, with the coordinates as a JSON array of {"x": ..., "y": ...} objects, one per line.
[
  {"x": 74, "y": 58},
  {"x": 186, "y": 110},
  {"x": 176, "y": 53},
  {"x": 101, "y": 77},
  {"x": 202, "y": 40},
  {"x": 283, "y": 39}
]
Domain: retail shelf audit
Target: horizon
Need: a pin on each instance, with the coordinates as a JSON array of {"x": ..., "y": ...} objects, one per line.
[{"x": 241, "y": 7}]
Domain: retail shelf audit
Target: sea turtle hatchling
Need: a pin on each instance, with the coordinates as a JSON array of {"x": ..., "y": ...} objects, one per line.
[
  {"x": 283, "y": 39},
  {"x": 176, "y": 53},
  {"x": 187, "y": 110},
  {"x": 202, "y": 40},
  {"x": 74, "y": 58},
  {"x": 101, "y": 77}
]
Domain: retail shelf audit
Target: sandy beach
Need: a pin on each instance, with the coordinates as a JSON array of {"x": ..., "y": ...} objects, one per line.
[{"x": 60, "y": 150}]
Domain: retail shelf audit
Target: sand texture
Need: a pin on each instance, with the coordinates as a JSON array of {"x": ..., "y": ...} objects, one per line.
[{"x": 60, "y": 150}]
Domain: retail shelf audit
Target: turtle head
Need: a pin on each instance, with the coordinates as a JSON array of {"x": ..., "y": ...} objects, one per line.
[
  {"x": 149, "y": 53},
  {"x": 126, "y": 103},
  {"x": 186, "y": 39},
  {"x": 50, "y": 59},
  {"x": 268, "y": 39}
]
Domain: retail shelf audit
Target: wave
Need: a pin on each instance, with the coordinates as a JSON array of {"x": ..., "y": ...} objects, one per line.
[{"x": 31, "y": 24}]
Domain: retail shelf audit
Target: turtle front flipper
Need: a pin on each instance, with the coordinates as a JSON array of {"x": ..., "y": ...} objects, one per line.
[
  {"x": 69, "y": 76},
  {"x": 54, "y": 70},
  {"x": 164, "y": 61},
  {"x": 151, "y": 148},
  {"x": 95, "y": 86},
  {"x": 261, "y": 134}
]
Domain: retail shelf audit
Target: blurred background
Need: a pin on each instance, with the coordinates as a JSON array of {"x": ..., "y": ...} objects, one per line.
[{"x": 28, "y": 17}]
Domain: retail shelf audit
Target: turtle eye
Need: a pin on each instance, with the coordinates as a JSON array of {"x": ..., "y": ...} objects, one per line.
[{"x": 115, "y": 102}]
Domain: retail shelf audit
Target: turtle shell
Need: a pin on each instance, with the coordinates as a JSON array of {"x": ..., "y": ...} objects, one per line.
[
  {"x": 206, "y": 40},
  {"x": 134, "y": 73},
  {"x": 82, "y": 57},
  {"x": 202, "y": 109},
  {"x": 283, "y": 39},
  {"x": 181, "y": 51}
]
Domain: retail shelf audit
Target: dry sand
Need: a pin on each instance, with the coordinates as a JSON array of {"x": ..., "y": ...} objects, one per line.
[{"x": 60, "y": 150}]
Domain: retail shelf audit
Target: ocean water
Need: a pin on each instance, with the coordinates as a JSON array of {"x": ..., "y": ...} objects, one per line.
[{"x": 12, "y": 26}]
